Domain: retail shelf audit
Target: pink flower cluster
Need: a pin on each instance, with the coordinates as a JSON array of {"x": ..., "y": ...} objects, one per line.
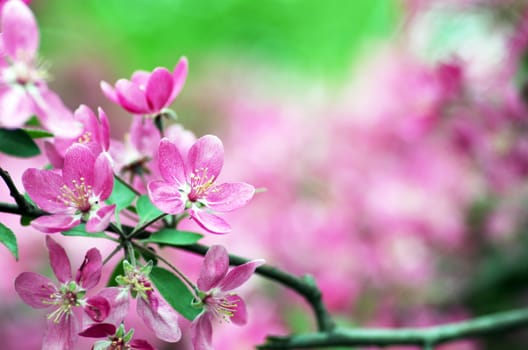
[{"x": 179, "y": 172}]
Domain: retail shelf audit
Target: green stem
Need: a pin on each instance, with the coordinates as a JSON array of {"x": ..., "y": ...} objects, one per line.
[
  {"x": 179, "y": 218},
  {"x": 424, "y": 337},
  {"x": 130, "y": 253},
  {"x": 111, "y": 255},
  {"x": 170, "y": 265},
  {"x": 158, "y": 121},
  {"x": 124, "y": 182},
  {"x": 145, "y": 225}
]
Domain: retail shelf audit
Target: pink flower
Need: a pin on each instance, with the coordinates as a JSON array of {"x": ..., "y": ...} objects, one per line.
[
  {"x": 191, "y": 184},
  {"x": 95, "y": 135},
  {"x": 40, "y": 292},
  {"x": 148, "y": 93},
  {"x": 23, "y": 90},
  {"x": 216, "y": 284},
  {"x": 155, "y": 312},
  {"x": 76, "y": 195},
  {"x": 116, "y": 338}
]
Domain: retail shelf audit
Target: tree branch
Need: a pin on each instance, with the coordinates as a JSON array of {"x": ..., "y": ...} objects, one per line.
[
  {"x": 13, "y": 191},
  {"x": 328, "y": 335},
  {"x": 426, "y": 337}
]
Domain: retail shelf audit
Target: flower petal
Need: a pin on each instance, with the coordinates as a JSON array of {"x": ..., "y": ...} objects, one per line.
[
  {"x": 144, "y": 135},
  {"x": 19, "y": 31},
  {"x": 239, "y": 274},
  {"x": 140, "y": 78},
  {"x": 202, "y": 333},
  {"x": 54, "y": 115},
  {"x": 229, "y": 196},
  {"x": 43, "y": 186},
  {"x": 89, "y": 272},
  {"x": 166, "y": 197},
  {"x": 97, "y": 308},
  {"x": 214, "y": 268},
  {"x": 207, "y": 153},
  {"x": 54, "y": 156},
  {"x": 103, "y": 183},
  {"x": 55, "y": 223},
  {"x": 109, "y": 91},
  {"x": 131, "y": 97},
  {"x": 99, "y": 330},
  {"x": 35, "y": 289},
  {"x": 61, "y": 335},
  {"x": 159, "y": 89},
  {"x": 171, "y": 165},
  {"x": 210, "y": 222},
  {"x": 95, "y": 134},
  {"x": 119, "y": 300},
  {"x": 79, "y": 164},
  {"x": 59, "y": 261},
  {"x": 104, "y": 130},
  {"x": 99, "y": 221},
  {"x": 182, "y": 138},
  {"x": 179, "y": 75},
  {"x": 16, "y": 107},
  {"x": 240, "y": 313},
  {"x": 159, "y": 317},
  {"x": 140, "y": 344}
]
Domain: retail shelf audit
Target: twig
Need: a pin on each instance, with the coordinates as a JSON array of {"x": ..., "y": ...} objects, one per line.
[
  {"x": 425, "y": 337},
  {"x": 141, "y": 228},
  {"x": 13, "y": 191},
  {"x": 112, "y": 254}
]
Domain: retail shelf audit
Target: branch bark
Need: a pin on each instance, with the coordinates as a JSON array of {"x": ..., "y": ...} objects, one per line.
[{"x": 424, "y": 337}]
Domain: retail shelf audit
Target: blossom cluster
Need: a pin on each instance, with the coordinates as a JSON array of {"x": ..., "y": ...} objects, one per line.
[
  {"x": 165, "y": 168},
  {"x": 412, "y": 170}
]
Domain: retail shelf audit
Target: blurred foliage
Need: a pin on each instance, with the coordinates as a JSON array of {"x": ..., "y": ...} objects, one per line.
[{"x": 308, "y": 36}]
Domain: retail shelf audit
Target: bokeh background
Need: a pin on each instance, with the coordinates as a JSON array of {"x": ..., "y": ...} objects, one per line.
[{"x": 391, "y": 138}]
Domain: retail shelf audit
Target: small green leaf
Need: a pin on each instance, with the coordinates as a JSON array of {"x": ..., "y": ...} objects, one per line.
[
  {"x": 25, "y": 220},
  {"x": 121, "y": 196},
  {"x": 33, "y": 121},
  {"x": 174, "y": 237},
  {"x": 8, "y": 238},
  {"x": 118, "y": 271},
  {"x": 38, "y": 134},
  {"x": 80, "y": 230},
  {"x": 175, "y": 292},
  {"x": 17, "y": 143},
  {"x": 146, "y": 210}
]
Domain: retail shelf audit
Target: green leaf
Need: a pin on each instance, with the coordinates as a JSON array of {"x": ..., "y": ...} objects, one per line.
[
  {"x": 118, "y": 271},
  {"x": 122, "y": 196},
  {"x": 174, "y": 237},
  {"x": 80, "y": 230},
  {"x": 38, "y": 134},
  {"x": 146, "y": 210},
  {"x": 17, "y": 143},
  {"x": 175, "y": 292},
  {"x": 8, "y": 238}
]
